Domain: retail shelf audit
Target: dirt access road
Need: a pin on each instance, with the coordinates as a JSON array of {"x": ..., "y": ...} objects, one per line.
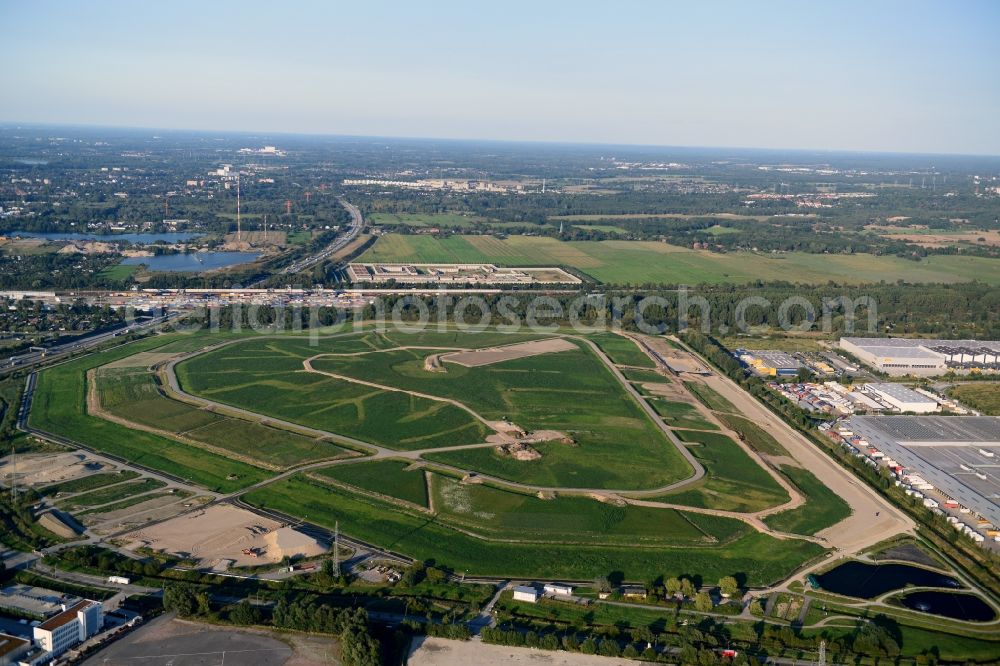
[{"x": 873, "y": 519}]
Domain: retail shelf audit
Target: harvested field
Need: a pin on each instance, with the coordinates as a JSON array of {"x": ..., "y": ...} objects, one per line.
[
  {"x": 141, "y": 360},
  {"x": 224, "y": 532},
  {"x": 47, "y": 468},
  {"x": 929, "y": 239},
  {"x": 480, "y": 357}
]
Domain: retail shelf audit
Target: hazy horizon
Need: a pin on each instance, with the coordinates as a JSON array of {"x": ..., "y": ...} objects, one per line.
[{"x": 893, "y": 77}]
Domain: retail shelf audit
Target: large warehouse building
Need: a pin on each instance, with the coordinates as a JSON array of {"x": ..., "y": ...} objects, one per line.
[
  {"x": 906, "y": 356},
  {"x": 903, "y": 399},
  {"x": 957, "y": 455}
]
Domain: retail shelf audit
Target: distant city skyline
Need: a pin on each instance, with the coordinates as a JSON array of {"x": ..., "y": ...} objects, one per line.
[{"x": 916, "y": 77}]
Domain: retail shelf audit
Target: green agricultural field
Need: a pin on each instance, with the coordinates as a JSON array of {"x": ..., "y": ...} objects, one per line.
[
  {"x": 604, "y": 228},
  {"x": 130, "y": 502},
  {"x": 733, "y": 481},
  {"x": 427, "y": 220},
  {"x": 275, "y": 384},
  {"x": 512, "y": 516},
  {"x": 133, "y": 394},
  {"x": 621, "y": 350},
  {"x": 709, "y": 397},
  {"x": 111, "y": 494},
  {"x": 822, "y": 509},
  {"x": 645, "y": 376},
  {"x": 387, "y": 477},
  {"x": 983, "y": 397},
  {"x": 681, "y": 414},
  {"x": 264, "y": 443},
  {"x": 570, "y": 392},
  {"x": 641, "y": 262},
  {"x": 89, "y": 482},
  {"x": 59, "y": 407},
  {"x": 298, "y": 237},
  {"x": 756, "y": 437},
  {"x": 757, "y": 556},
  {"x": 118, "y": 272}
]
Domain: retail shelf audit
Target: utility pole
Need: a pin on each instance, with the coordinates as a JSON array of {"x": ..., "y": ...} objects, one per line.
[{"x": 237, "y": 206}]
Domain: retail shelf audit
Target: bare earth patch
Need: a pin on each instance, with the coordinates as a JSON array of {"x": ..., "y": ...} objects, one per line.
[
  {"x": 472, "y": 359},
  {"x": 989, "y": 238},
  {"x": 157, "y": 507},
  {"x": 670, "y": 391},
  {"x": 519, "y": 451},
  {"x": 141, "y": 360},
  {"x": 433, "y": 364},
  {"x": 441, "y": 652},
  {"x": 48, "y": 468},
  {"x": 226, "y": 532}
]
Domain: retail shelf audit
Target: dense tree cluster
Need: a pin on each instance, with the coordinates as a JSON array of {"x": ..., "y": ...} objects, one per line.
[
  {"x": 358, "y": 647},
  {"x": 969, "y": 310}
]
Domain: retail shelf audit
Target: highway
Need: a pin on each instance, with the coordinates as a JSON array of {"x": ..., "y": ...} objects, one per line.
[
  {"x": 58, "y": 351},
  {"x": 355, "y": 227}
]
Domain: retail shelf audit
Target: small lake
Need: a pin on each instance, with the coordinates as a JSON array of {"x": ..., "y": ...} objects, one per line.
[
  {"x": 867, "y": 581},
  {"x": 167, "y": 237},
  {"x": 949, "y": 604},
  {"x": 194, "y": 262}
]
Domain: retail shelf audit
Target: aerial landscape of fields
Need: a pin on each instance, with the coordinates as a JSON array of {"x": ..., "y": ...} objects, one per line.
[
  {"x": 500, "y": 334},
  {"x": 643, "y": 262}
]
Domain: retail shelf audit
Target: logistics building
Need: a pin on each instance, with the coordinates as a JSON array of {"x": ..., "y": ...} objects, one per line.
[
  {"x": 906, "y": 356},
  {"x": 457, "y": 274},
  {"x": 771, "y": 363},
  {"x": 954, "y": 455},
  {"x": 903, "y": 399}
]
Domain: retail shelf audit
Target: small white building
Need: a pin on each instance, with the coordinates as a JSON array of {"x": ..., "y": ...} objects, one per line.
[
  {"x": 558, "y": 589},
  {"x": 70, "y": 627},
  {"x": 525, "y": 593}
]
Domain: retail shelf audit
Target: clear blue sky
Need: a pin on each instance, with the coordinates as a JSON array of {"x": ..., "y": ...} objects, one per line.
[{"x": 888, "y": 75}]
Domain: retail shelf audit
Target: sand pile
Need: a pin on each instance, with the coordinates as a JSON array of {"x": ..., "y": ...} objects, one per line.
[{"x": 287, "y": 542}]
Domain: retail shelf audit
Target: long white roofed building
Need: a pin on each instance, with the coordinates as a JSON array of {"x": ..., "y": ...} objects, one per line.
[{"x": 909, "y": 356}]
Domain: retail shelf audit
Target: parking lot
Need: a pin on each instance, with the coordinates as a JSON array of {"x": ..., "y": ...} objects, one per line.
[{"x": 169, "y": 642}]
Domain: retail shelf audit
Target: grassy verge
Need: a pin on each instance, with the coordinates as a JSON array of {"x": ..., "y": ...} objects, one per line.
[
  {"x": 621, "y": 350},
  {"x": 111, "y": 494},
  {"x": 709, "y": 397},
  {"x": 733, "y": 481},
  {"x": 822, "y": 509},
  {"x": 59, "y": 407},
  {"x": 89, "y": 482},
  {"x": 757, "y": 558},
  {"x": 387, "y": 477},
  {"x": 754, "y": 435}
]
